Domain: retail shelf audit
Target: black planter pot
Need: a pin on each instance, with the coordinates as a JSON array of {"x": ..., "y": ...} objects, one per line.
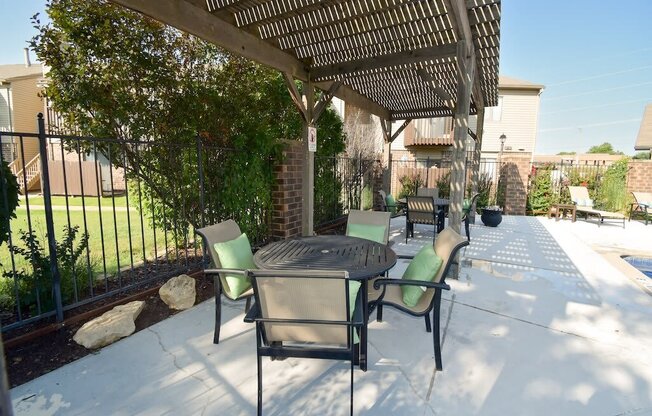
[{"x": 491, "y": 218}]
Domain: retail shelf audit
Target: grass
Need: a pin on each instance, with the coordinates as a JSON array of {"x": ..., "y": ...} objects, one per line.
[
  {"x": 120, "y": 201},
  {"x": 112, "y": 232}
]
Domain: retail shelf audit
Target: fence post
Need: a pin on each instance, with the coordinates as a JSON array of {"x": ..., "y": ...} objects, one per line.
[
  {"x": 49, "y": 221},
  {"x": 200, "y": 165}
]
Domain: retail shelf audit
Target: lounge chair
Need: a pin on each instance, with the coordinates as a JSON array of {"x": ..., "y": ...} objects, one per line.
[
  {"x": 584, "y": 204},
  {"x": 371, "y": 225},
  {"x": 387, "y": 292},
  {"x": 222, "y": 233},
  {"x": 305, "y": 314},
  {"x": 642, "y": 207}
]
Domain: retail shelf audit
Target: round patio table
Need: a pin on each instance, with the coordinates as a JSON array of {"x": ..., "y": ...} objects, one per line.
[{"x": 362, "y": 259}]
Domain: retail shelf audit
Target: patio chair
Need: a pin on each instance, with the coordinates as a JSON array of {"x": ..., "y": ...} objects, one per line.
[
  {"x": 221, "y": 233},
  {"x": 387, "y": 292},
  {"x": 388, "y": 204},
  {"x": 421, "y": 210},
  {"x": 371, "y": 225},
  {"x": 642, "y": 207},
  {"x": 433, "y": 192},
  {"x": 305, "y": 314},
  {"x": 466, "y": 211},
  {"x": 584, "y": 204}
]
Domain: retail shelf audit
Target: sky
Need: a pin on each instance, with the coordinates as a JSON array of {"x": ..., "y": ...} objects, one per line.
[{"x": 593, "y": 56}]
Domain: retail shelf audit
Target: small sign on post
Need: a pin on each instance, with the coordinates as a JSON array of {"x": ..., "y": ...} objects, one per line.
[{"x": 312, "y": 139}]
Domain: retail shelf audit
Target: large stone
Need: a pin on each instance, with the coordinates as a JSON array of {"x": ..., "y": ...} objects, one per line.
[
  {"x": 178, "y": 292},
  {"x": 110, "y": 327}
]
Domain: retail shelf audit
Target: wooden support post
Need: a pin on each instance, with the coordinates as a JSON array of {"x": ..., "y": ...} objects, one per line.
[
  {"x": 461, "y": 126},
  {"x": 475, "y": 175},
  {"x": 389, "y": 137}
]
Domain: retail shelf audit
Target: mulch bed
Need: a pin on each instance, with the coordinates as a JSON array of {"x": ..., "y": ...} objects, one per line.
[{"x": 29, "y": 360}]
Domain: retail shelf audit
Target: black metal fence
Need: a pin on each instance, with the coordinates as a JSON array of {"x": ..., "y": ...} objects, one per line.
[
  {"x": 567, "y": 173},
  {"x": 112, "y": 215},
  {"x": 99, "y": 217},
  {"x": 434, "y": 172},
  {"x": 341, "y": 184}
]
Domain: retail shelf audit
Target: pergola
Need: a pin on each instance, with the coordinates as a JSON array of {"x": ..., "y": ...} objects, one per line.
[{"x": 397, "y": 59}]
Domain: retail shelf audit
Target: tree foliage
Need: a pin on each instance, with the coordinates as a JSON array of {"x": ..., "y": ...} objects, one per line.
[
  {"x": 9, "y": 202},
  {"x": 540, "y": 193},
  {"x": 115, "y": 73},
  {"x": 604, "y": 148},
  {"x": 642, "y": 155}
]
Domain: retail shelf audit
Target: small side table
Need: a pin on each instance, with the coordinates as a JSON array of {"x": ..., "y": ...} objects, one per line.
[{"x": 561, "y": 210}]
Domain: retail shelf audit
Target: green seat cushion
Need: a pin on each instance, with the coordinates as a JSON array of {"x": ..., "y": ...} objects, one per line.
[
  {"x": 354, "y": 288},
  {"x": 368, "y": 232},
  {"x": 391, "y": 203},
  {"x": 466, "y": 206},
  {"x": 423, "y": 267},
  {"x": 235, "y": 254}
]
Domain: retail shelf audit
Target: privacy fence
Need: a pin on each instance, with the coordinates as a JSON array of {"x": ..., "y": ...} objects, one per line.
[{"x": 100, "y": 217}]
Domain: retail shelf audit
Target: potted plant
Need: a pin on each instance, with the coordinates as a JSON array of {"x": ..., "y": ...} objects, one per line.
[{"x": 491, "y": 216}]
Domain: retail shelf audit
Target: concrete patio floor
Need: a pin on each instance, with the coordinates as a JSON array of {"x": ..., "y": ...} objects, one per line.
[{"x": 540, "y": 322}]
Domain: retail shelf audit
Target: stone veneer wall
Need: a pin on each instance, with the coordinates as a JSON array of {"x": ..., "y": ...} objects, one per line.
[
  {"x": 286, "y": 194},
  {"x": 639, "y": 177},
  {"x": 514, "y": 172}
]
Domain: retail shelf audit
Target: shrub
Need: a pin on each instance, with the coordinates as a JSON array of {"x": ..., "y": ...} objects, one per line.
[
  {"x": 485, "y": 184},
  {"x": 35, "y": 283},
  {"x": 443, "y": 185},
  {"x": 612, "y": 192},
  {"x": 540, "y": 194},
  {"x": 7, "y": 211},
  {"x": 367, "y": 198},
  {"x": 410, "y": 184}
]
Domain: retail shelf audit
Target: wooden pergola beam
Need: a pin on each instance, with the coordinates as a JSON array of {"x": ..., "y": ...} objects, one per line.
[{"x": 376, "y": 62}]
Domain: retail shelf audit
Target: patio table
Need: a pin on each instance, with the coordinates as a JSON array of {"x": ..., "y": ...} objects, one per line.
[{"x": 362, "y": 259}]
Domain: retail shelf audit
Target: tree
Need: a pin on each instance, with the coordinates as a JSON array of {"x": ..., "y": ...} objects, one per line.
[
  {"x": 8, "y": 200},
  {"x": 566, "y": 153},
  {"x": 642, "y": 155},
  {"x": 115, "y": 73},
  {"x": 604, "y": 148}
]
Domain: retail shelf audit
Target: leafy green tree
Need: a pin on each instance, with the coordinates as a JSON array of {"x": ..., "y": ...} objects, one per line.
[
  {"x": 566, "y": 153},
  {"x": 115, "y": 73},
  {"x": 612, "y": 193},
  {"x": 540, "y": 194},
  {"x": 604, "y": 148}
]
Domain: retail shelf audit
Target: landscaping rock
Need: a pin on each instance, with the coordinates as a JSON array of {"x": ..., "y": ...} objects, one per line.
[
  {"x": 110, "y": 327},
  {"x": 179, "y": 292}
]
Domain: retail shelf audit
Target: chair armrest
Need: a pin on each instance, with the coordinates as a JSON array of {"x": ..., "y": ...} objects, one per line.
[
  {"x": 403, "y": 282},
  {"x": 253, "y": 313},
  {"x": 230, "y": 271}
]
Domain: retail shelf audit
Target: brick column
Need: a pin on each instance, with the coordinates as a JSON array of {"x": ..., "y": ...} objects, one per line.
[
  {"x": 639, "y": 176},
  {"x": 286, "y": 194},
  {"x": 513, "y": 183}
]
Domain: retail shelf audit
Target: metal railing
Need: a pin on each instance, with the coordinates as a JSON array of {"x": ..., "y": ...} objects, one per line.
[{"x": 113, "y": 216}]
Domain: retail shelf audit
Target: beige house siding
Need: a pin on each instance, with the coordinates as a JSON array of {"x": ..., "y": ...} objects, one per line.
[
  {"x": 517, "y": 119},
  {"x": 26, "y": 104}
]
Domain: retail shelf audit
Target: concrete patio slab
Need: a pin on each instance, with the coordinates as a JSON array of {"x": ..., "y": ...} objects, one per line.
[{"x": 538, "y": 323}]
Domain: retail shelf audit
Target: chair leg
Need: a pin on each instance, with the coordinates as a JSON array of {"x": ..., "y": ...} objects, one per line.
[
  {"x": 379, "y": 313},
  {"x": 218, "y": 311},
  {"x": 260, "y": 385},
  {"x": 466, "y": 228},
  {"x": 428, "y": 327},
  {"x": 248, "y": 305},
  {"x": 351, "y": 411},
  {"x": 435, "y": 332}
]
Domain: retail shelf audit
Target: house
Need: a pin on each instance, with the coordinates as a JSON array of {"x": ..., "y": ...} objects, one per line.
[
  {"x": 20, "y": 103},
  {"x": 644, "y": 138},
  {"x": 516, "y": 116}
]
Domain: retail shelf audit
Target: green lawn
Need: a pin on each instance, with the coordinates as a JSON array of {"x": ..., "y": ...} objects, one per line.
[
  {"x": 76, "y": 201},
  {"x": 113, "y": 232}
]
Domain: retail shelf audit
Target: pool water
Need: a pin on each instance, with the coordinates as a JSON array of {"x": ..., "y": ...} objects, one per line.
[{"x": 644, "y": 264}]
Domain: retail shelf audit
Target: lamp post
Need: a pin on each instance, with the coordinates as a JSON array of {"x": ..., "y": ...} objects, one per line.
[{"x": 502, "y": 146}]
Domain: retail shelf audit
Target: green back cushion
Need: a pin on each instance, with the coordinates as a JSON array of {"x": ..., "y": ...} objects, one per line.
[
  {"x": 354, "y": 287},
  {"x": 391, "y": 203},
  {"x": 368, "y": 232},
  {"x": 235, "y": 254},
  {"x": 424, "y": 267}
]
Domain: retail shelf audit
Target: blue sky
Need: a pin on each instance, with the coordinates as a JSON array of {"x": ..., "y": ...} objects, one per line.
[{"x": 593, "y": 56}]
